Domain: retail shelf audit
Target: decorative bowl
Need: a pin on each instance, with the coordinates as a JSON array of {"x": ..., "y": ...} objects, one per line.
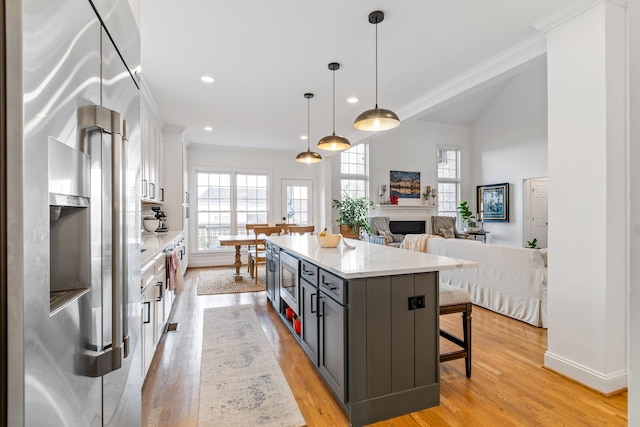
[{"x": 329, "y": 240}]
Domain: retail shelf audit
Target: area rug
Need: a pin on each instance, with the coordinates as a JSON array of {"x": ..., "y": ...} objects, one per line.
[
  {"x": 221, "y": 281},
  {"x": 241, "y": 383}
]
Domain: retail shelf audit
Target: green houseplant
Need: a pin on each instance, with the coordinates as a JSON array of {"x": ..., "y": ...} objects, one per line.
[
  {"x": 466, "y": 215},
  {"x": 352, "y": 215}
]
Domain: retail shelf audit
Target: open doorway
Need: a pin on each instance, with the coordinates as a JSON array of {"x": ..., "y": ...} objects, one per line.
[{"x": 535, "y": 211}]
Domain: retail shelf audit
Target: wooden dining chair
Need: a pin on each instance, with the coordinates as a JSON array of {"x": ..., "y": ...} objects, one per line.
[
  {"x": 249, "y": 228},
  {"x": 301, "y": 229},
  {"x": 258, "y": 255},
  {"x": 285, "y": 227}
]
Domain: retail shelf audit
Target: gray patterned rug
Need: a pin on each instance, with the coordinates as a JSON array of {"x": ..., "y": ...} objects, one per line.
[{"x": 241, "y": 383}]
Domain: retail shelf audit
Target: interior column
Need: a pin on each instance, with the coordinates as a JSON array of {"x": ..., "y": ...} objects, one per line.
[{"x": 588, "y": 209}]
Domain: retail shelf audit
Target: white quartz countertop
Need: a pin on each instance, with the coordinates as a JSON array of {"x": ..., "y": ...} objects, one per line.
[
  {"x": 153, "y": 244},
  {"x": 367, "y": 259}
]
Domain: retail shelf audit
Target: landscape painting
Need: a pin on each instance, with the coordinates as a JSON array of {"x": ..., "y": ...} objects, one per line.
[{"x": 405, "y": 185}]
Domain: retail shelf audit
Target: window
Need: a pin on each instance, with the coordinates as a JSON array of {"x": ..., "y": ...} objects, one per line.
[
  {"x": 226, "y": 202},
  {"x": 448, "y": 181},
  {"x": 354, "y": 170},
  {"x": 252, "y": 202}
]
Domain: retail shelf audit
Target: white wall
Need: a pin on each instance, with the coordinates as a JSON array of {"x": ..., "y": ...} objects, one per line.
[
  {"x": 413, "y": 147},
  {"x": 510, "y": 144},
  {"x": 588, "y": 280},
  {"x": 279, "y": 164},
  {"x": 634, "y": 299}
]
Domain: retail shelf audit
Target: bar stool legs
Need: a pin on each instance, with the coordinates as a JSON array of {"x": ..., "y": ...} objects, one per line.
[{"x": 465, "y": 342}]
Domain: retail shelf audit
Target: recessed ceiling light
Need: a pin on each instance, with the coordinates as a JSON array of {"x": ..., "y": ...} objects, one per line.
[
  {"x": 352, "y": 100},
  {"x": 207, "y": 79},
  {"x": 303, "y": 137},
  {"x": 208, "y": 128}
]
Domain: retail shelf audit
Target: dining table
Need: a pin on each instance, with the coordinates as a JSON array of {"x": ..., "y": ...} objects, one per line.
[{"x": 239, "y": 240}]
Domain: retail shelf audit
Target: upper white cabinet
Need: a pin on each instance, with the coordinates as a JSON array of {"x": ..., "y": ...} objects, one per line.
[
  {"x": 176, "y": 193},
  {"x": 152, "y": 158}
]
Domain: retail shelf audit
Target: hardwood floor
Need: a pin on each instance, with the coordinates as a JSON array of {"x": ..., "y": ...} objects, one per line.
[{"x": 508, "y": 386}]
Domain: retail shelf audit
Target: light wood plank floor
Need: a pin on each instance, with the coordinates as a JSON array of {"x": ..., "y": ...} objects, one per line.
[{"x": 508, "y": 386}]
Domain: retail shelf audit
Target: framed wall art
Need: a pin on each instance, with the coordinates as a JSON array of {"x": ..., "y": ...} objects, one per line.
[
  {"x": 405, "y": 185},
  {"x": 493, "y": 202}
]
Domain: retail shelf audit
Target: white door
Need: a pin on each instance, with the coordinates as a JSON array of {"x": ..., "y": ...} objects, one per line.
[
  {"x": 535, "y": 211},
  {"x": 297, "y": 198}
]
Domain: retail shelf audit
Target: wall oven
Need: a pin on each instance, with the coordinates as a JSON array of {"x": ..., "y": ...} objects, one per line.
[{"x": 289, "y": 267}]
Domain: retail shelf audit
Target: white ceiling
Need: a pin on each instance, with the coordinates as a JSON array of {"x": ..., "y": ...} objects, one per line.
[{"x": 266, "y": 54}]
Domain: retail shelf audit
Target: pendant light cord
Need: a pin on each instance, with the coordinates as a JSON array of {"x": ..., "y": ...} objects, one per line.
[
  {"x": 334, "y": 101},
  {"x": 376, "y": 65},
  {"x": 308, "y": 122}
]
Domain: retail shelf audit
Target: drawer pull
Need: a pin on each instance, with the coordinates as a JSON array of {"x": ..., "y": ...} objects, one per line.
[
  {"x": 148, "y": 311},
  {"x": 328, "y": 285}
]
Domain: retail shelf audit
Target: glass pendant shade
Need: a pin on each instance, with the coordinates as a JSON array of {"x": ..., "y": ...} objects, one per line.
[
  {"x": 376, "y": 119},
  {"x": 308, "y": 156},
  {"x": 334, "y": 142}
]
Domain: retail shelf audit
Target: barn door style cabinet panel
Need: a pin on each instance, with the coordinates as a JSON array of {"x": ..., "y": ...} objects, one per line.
[{"x": 371, "y": 329}]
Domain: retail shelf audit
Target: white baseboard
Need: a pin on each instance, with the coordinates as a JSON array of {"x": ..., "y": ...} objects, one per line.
[{"x": 604, "y": 383}]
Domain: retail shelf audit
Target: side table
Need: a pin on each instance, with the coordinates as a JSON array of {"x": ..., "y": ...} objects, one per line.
[{"x": 475, "y": 235}]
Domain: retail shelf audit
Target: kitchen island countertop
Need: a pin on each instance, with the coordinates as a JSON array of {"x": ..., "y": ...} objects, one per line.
[{"x": 366, "y": 259}]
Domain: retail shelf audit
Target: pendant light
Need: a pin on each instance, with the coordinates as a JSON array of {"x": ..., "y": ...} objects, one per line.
[
  {"x": 378, "y": 118},
  {"x": 308, "y": 156},
  {"x": 334, "y": 142}
]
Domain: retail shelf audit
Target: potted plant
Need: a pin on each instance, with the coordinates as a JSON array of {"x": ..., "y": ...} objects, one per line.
[
  {"x": 466, "y": 215},
  {"x": 352, "y": 215}
]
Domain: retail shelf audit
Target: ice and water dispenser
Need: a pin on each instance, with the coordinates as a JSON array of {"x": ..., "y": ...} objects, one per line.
[{"x": 70, "y": 225}]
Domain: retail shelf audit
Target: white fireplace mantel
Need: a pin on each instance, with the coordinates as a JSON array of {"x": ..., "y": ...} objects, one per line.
[{"x": 407, "y": 213}]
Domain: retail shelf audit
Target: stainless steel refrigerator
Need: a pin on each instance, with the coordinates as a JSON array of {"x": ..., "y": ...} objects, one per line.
[{"x": 73, "y": 274}]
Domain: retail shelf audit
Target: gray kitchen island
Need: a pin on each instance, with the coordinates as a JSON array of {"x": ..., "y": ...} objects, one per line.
[{"x": 367, "y": 318}]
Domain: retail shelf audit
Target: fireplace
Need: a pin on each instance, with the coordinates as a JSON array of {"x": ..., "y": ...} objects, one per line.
[
  {"x": 408, "y": 227},
  {"x": 408, "y": 219}
]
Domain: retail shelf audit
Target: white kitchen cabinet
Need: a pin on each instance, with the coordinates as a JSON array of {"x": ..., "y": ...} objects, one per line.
[
  {"x": 161, "y": 291},
  {"x": 176, "y": 183},
  {"x": 148, "y": 328},
  {"x": 152, "y": 157}
]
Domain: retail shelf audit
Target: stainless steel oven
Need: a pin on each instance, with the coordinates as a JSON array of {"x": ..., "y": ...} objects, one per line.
[{"x": 289, "y": 267}]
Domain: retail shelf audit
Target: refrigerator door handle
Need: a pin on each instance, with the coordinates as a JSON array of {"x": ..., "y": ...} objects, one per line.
[
  {"x": 109, "y": 358},
  {"x": 118, "y": 241},
  {"x": 124, "y": 248}
]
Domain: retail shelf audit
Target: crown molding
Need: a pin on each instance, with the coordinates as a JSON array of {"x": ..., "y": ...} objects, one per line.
[
  {"x": 174, "y": 129},
  {"x": 569, "y": 12},
  {"x": 513, "y": 57},
  {"x": 149, "y": 101}
]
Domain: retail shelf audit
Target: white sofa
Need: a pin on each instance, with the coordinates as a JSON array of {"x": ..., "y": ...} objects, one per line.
[{"x": 508, "y": 280}]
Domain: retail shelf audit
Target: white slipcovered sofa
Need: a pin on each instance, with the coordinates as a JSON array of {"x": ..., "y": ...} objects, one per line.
[{"x": 508, "y": 280}]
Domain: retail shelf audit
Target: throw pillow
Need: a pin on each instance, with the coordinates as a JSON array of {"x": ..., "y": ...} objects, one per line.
[
  {"x": 447, "y": 233},
  {"x": 388, "y": 237}
]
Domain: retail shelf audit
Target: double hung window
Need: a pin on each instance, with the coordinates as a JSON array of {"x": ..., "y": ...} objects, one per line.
[
  {"x": 448, "y": 181},
  {"x": 354, "y": 171}
]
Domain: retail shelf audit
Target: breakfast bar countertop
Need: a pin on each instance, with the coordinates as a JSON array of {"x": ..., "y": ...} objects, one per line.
[{"x": 366, "y": 259}]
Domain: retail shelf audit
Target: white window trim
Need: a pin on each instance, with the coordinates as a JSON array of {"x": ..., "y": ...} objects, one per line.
[{"x": 234, "y": 217}]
